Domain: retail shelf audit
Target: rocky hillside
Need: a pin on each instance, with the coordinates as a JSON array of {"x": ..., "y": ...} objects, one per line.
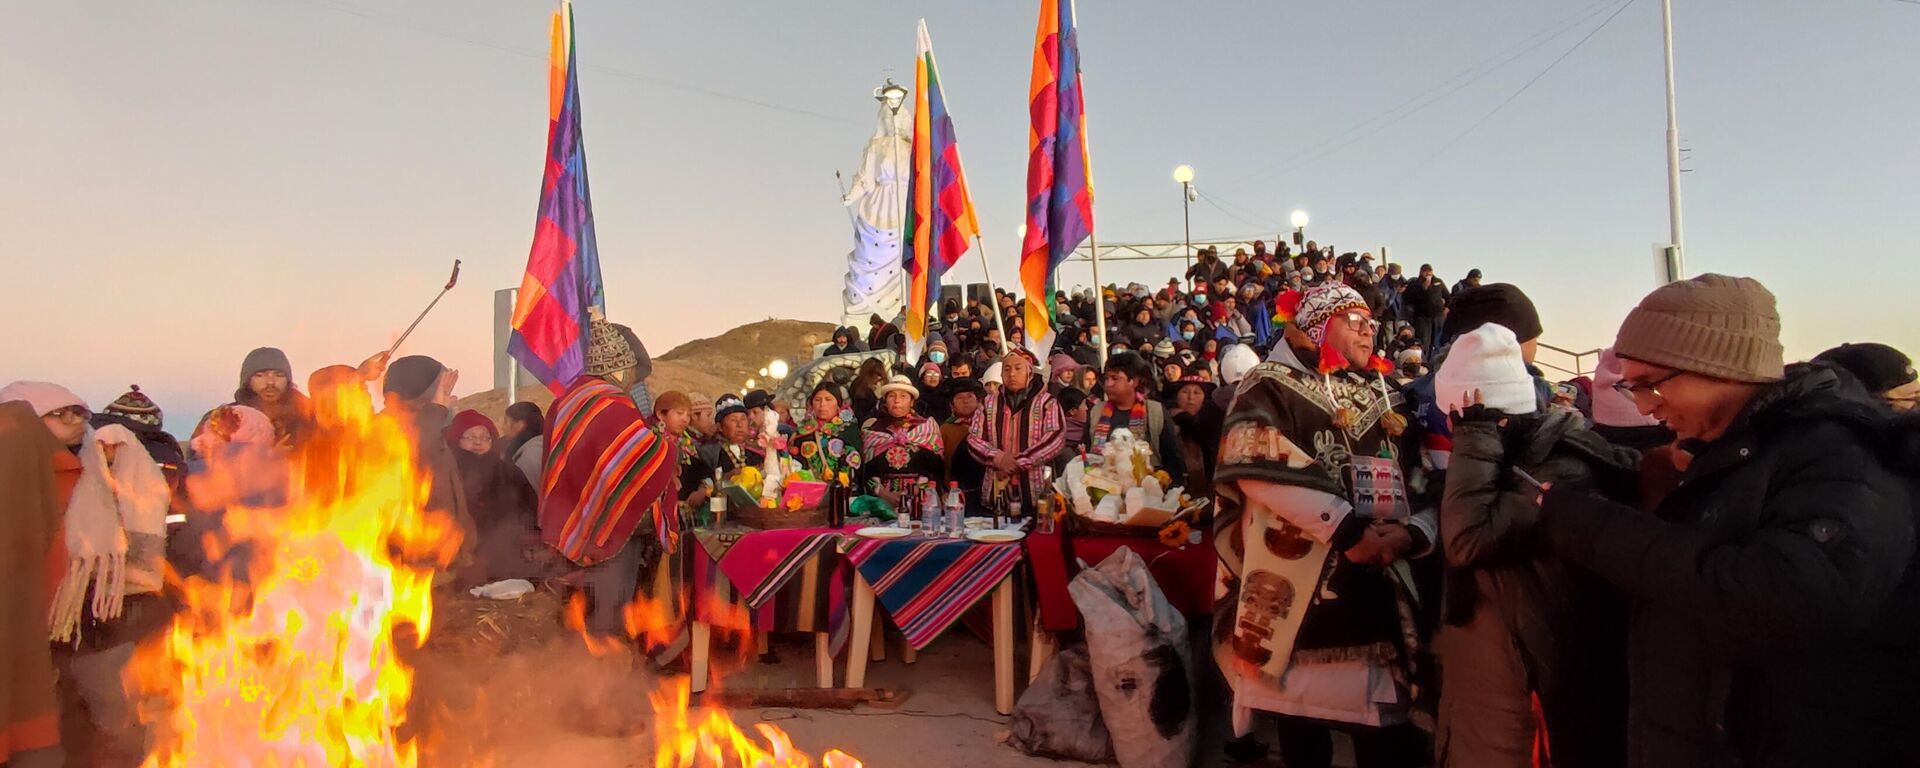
[{"x": 702, "y": 366}]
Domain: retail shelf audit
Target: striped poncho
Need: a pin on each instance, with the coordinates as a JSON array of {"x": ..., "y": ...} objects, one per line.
[{"x": 607, "y": 472}]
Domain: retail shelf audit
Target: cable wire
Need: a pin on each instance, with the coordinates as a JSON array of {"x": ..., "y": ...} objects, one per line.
[{"x": 543, "y": 55}]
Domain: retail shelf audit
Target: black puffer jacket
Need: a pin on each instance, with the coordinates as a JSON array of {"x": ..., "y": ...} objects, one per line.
[{"x": 1765, "y": 588}]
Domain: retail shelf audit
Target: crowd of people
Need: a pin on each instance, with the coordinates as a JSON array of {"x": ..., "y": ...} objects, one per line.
[{"x": 1699, "y": 554}]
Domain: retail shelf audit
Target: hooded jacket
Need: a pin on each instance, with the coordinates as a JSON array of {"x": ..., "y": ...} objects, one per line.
[{"x": 1765, "y": 588}]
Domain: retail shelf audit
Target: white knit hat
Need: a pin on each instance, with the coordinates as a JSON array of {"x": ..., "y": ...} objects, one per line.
[
  {"x": 992, "y": 374},
  {"x": 1610, "y": 407},
  {"x": 1487, "y": 359},
  {"x": 1235, "y": 361}
]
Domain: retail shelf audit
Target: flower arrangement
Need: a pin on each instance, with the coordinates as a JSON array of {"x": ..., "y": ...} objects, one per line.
[{"x": 1175, "y": 534}]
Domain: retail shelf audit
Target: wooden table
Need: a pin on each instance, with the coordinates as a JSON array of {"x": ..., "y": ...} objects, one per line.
[{"x": 932, "y": 582}]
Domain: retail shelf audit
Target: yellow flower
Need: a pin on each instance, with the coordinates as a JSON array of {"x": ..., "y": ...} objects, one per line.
[
  {"x": 1175, "y": 534},
  {"x": 845, "y": 479},
  {"x": 793, "y": 503}
]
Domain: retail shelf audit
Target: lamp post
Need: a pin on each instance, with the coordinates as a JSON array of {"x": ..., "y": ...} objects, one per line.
[
  {"x": 1300, "y": 229},
  {"x": 1184, "y": 175},
  {"x": 777, "y": 369}
]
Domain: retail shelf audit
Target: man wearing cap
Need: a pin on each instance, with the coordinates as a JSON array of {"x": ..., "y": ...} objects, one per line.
[
  {"x": 611, "y": 504},
  {"x": 1314, "y": 518},
  {"x": 1018, "y": 430},
  {"x": 1771, "y": 623},
  {"x": 733, "y": 447}
]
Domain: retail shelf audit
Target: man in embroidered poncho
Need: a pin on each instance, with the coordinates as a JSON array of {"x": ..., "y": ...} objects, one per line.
[
  {"x": 1314, "y": 621},
  {"x": 1017, "y": 432},
  {"x": 609, "y": 499}
]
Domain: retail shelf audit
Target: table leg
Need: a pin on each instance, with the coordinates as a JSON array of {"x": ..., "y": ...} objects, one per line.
[
  {"x": 864, "y": 632},
  {"x": 879, "y": 646},
  {"x": 907, "y": 653},
  {"x": 702, "y": 638},
  {"x": 1041, "y": 647},
  {"x": 823, "y": 659},
  {"x": 1003, "y": 647},
  {"x": 760, "y": 643}
]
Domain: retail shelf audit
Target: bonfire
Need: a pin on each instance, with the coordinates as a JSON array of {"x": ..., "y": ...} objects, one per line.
[{"x": 295, "y": 653}]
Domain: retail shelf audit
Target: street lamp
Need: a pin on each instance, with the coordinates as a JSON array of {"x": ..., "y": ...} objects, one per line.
[
  {"x": 1300, "y": 229},
  {"x": 1184, "y": 175}
]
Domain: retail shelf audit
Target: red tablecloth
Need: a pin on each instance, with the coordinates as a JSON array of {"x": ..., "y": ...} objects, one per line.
[{"x": 1185, "y": 575}]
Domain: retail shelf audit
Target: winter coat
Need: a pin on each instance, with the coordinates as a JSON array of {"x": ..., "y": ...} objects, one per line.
[
  {"x": 1754, "y": 584},
  {"x": 1429, "y": 300},
  {"x": 1519, "y": 622}
]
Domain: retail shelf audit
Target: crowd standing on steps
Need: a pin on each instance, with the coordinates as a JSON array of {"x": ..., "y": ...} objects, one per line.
[{"x": 1427, "y": 548}]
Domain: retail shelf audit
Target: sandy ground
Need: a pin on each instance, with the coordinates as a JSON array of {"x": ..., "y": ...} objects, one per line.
[
  {"x": 557, "y": 705},
  {"x": 503, "y": 684}
]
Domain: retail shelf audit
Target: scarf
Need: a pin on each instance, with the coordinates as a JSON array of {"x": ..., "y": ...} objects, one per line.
[
  {"x": 1075, "y": 431},
  {"x": 1136, "y": 421},
  {"x": 115, "y": 531},
  {"x": 895, "y": 442}
]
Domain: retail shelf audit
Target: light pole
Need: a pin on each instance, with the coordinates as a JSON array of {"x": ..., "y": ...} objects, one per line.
[
  {"x": 1676, "y": 260},
  {"x": 1299, "y": 220},
  {"x": 1184, "y": 175}
]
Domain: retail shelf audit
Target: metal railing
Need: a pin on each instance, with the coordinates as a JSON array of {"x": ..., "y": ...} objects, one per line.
[{"x": 1581, "y": 366}]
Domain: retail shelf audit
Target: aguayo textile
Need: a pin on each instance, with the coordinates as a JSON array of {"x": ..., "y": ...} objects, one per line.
[
  {"x": 927, "y": 584},
  {"x": 607, "y": 472},
  {"x": 791, "y": 580}
]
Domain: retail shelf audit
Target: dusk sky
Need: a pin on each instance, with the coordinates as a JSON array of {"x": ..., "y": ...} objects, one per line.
[{"x": 186, "y": 180}]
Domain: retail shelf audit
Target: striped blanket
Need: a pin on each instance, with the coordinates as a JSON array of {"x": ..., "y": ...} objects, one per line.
[
  {"x": 927, "y": 584},
  {"x": 606, "y": 473},
  {"x": 789, "y": 579}
]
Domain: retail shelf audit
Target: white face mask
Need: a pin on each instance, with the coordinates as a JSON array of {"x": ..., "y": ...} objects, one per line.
[{"x": 937, "y": 356}]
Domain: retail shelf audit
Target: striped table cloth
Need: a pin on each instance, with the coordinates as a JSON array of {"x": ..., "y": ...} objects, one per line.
[{"x": 927, "y": 584}]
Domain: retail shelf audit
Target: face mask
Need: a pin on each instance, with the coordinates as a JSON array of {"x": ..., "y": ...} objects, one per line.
[
  {"x": 937, "y": 356},
  {"x": 1200, "y": 299},
  {"x": 1187, "y": 335}
]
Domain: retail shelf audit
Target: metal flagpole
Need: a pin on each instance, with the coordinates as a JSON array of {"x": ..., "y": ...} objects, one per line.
[
  {"x": 1099, "y": 292},
  {"x": 999, "y": 318},
  {"x": 1676, "y": 265}
]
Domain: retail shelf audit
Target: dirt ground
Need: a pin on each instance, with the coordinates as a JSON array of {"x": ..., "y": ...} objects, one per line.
[{"x": 509, "y": 687}]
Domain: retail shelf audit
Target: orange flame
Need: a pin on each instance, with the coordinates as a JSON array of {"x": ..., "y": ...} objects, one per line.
[
  {"x": 685, "y": 740},
  {"x": 295, "y": 661}
]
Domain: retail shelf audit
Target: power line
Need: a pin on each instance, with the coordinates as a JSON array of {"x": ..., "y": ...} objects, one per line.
[
  {"x": 1472, "y": 74},
  {"x": 1523, "y": 88},
  {"x": 543, "y": 55},
  {"x": 1217, "y": 205}
]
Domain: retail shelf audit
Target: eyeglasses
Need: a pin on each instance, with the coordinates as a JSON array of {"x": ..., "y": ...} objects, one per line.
[
  {"x": 71, "y": 414},
  {"x": 1360, "y": 321},
  {"x": 1634, "y": 391}
]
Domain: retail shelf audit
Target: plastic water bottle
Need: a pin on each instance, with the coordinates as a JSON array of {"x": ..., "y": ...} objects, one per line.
[
  {"x": 930, "y": 521},
  {"x": 956, "y": 511}
]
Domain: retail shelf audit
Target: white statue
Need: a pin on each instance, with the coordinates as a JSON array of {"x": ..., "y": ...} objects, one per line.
[
  {"x": 879, "y": 203},
  {"x": 773, "y": 468}
]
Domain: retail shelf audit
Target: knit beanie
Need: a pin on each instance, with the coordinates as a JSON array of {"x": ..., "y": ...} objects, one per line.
[
  {"x": 1235, "y": 361},
  {"x": 672, "y": 399},
  {"x": 1877, "y": 366},
  {"x": 412, "y": 376},
  {"x": 1320, "y": 303},
  {"x": 465, "y": 420},
  {"x": 607, "y": 349},
  {"x": 992, "y": 375},
  {"x": 1485, "y": 359},
  {"x": 136, "y": 406},
  {"x": 43, "y": 396},
  {"x": 264, "y": 359},
  {"x": 1611, "y": 407},
  {"x": 1713, "y": 325},
  {"x": 1493, "y": 303}
]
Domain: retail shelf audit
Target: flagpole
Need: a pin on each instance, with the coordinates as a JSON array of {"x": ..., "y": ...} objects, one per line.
[
  {"x": 1093, "y": 239},
  {"x": 999, "y": 319}
]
